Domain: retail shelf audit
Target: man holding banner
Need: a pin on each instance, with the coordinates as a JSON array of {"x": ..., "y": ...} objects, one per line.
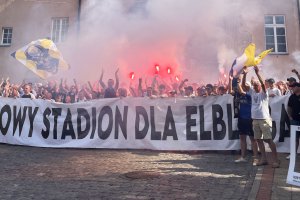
[{"x": 262, "y": 122}]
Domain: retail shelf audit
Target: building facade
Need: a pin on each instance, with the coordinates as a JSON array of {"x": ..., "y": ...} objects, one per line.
[{"x": 22, "y": 21}]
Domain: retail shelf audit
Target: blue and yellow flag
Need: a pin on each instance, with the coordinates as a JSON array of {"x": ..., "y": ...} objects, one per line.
[
  {"x": 42, "y": 57},
  {"x": 247, "y": 59}
]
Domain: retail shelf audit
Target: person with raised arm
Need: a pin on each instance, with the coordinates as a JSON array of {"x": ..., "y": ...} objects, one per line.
[
  {"x": 262, "y": 122},
  {"x": 110, "y": 91},
  {"x": 293, "y": 110},
  {"x": 297, "y": 74},
  {"x": 181, "y": 87},
  {"x": 244, "y": 118}
]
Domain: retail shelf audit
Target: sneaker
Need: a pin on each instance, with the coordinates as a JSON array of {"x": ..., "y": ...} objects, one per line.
[
  {"x": 240, "y": 160},
  {"x": 288, "y": 157},
  {"x": 255, "y": 161},
  {"x": 276, "y": 164},
  {"x": 262, "y": 162}
]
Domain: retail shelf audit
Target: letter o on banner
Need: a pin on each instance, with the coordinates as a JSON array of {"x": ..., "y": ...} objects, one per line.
[
  {"x": 104, "y": 134},
  {"x": 5, "y": 117}
]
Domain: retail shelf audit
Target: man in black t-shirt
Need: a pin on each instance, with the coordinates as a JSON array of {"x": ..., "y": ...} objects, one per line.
[
  {"x": 293, "y": 109},
  {"x": 110, "y": 91},
  {"x": 27, "y": 92}
]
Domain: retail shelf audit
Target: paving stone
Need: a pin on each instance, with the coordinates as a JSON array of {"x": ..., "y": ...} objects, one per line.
[{"x": 45, "y": 173}]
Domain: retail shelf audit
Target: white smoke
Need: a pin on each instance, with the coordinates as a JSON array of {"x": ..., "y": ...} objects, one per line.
[
  {"x": 198, "y": 39},
  {"x": 296, "y": 56}
]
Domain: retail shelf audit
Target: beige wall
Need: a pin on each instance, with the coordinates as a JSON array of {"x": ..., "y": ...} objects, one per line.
[
  {"x": 290, "y": 10},
  {"x": 30, "y": 20}
]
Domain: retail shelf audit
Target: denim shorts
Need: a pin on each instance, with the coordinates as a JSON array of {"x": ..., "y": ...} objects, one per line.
[{"x": 245, "y": 127}]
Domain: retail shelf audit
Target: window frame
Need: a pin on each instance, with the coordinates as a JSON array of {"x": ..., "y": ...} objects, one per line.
[
  {"x": 10, "y": 33},
  {"x": 59, "y": 33},
  {"x": 274, "y": 26}
]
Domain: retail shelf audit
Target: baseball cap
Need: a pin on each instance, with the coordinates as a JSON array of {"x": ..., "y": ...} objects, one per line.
[
  {"x": 270, "y": 80},
  {"x": 291, "y": 79}
]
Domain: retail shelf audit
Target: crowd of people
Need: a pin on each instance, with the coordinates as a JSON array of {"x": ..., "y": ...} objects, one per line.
[
  {"x": 251, "y": 100},
  {"x": 64, "y": 93}
]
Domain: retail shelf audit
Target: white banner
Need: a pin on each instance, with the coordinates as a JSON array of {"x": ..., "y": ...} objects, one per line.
[
  {"x": 293, "y": 175},
  {"x": 200, "y": 123}
]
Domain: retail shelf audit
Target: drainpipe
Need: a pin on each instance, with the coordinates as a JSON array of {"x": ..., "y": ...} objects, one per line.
[
  {"x": 298, "y": 8},
  {"x": 78, "y": 17}
]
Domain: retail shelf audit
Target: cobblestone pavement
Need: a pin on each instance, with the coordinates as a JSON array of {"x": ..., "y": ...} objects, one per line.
[{"x": 44, "y": 173}]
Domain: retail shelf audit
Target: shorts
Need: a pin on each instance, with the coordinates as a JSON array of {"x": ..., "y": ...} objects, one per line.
[
  {"x": 245, "y": 127},
  {"x": 262, "y": 129}
]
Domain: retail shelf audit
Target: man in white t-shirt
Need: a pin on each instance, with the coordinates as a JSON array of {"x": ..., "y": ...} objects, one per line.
[
  {"x": 262, "y": 122},
  {"x": 272, "y": 90}
]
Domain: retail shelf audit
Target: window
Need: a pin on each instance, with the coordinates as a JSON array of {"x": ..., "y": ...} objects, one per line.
[
  {"x": 6, "y": 36},
  {"x": 138, "y": 7},
  {"x": 59, "y": 29},
  {"x": 275, "y": 33}
]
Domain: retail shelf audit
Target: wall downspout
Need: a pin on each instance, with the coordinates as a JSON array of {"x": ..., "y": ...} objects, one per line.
[{"x": 78, "y": 17}]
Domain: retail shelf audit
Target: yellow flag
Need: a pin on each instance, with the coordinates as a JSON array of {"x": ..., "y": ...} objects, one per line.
[
  {"x": 250, "y": 53},
  {"x": 247, "y": 59},
  {"x": 263, "y": 54},
  {"x": 42, "y": 57}
]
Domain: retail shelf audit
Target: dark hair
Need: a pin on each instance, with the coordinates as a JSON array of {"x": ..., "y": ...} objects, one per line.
[
  {"x": 270, "y": 80},
  {"x": 162, "y": 86},
  {"x": 209, "y": 86},
  {"x": 189, "y": 88},
  {"x": 291, "y": 79},
  {"x": 222, "y": 87}
]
